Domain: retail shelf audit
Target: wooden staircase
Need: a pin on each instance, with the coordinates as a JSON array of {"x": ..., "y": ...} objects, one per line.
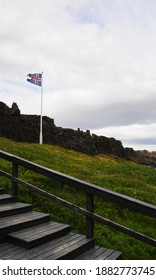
[{"x": 26, "y": 234}]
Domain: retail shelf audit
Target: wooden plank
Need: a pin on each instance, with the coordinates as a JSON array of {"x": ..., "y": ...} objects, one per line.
[
  {"x": 96, "y": 251},
  {"x": 39, "y": 234},
  {"x": 4, "y": 246},
  {"x": 76, "y": 248},
  {"x": 10, "y": 251},
  {"x": 56, "y": 247},
  {"x": 10, "y": 255},
  {"x": 105, "y": 254},
  {"x": 14, "y": 208},
  {"x": 89, "y": 221},
  {"x": 33, "y": 253},
  {"x": 37, "y": 252},
  {"x": 9, "y": 247},
  {"x": 7, "y": 221},
  {"x": 6, "y": 198},
  {"x": 86, "y": 253},
  {"x": 116, "y": 255},
  {"x": 14, "y": 187},
  {"x": 100, "y": 253},
  {"x": 62, "y": 248},
  {"x": 38, "y": 231},
  {"x": 24, "y": 233},
  {"x": 15, "y": 222}
]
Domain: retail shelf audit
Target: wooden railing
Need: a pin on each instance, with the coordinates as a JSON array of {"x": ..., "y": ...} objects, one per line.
[{"x": 90, "y": 190}]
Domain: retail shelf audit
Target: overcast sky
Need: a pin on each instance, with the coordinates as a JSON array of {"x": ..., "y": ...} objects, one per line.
[{"x": 99, "y": 63}]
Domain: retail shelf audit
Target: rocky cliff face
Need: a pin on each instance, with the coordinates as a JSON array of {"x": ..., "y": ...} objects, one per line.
[{"x": 25, "y": 128}]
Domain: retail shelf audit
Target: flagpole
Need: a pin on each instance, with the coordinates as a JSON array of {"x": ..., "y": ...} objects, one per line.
[{"x": 41, "y": 134}]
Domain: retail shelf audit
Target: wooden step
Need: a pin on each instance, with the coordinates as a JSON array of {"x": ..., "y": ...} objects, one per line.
[
  {"x": 61, "y": 248},
  {"x": 26, "y": 234},
  {"x": 73, "y": 248},
  {"x": 14, "y": 208},
  {"x": 99, "y": 253},
  {"x": 6, "y": 198},
  {"x": 20, "y": 221},
  {"x": 36, "y": 235},
  {"x": 64, "y": 247}
]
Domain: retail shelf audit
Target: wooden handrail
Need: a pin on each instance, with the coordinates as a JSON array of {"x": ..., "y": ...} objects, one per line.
[{"x": 91, "y": 191}]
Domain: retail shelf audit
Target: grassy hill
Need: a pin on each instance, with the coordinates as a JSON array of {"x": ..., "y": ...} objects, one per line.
[{"x": 113, "y": 173}]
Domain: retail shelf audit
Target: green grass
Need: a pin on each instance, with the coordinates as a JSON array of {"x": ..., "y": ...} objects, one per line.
[{"x": 106, "y": 171}]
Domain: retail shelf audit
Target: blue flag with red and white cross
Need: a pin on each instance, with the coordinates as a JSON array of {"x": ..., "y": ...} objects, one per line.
[{"x": 35, "y": 79}]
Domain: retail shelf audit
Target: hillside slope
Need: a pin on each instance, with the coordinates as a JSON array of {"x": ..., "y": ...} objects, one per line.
[{"x": 106, "y": 171}]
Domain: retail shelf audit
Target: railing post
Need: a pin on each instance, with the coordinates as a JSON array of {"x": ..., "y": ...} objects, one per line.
[
  {"x": 14, "y": 189},
  {"x": 89, "y": 221}
]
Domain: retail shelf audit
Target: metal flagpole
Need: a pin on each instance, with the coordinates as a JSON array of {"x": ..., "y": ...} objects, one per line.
[{"x": 41, "y": 135}]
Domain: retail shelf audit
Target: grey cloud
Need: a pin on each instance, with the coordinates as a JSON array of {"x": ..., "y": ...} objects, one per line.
[
  {"x": 104, "y": 115},
  {"x": 143, "y": 141}
]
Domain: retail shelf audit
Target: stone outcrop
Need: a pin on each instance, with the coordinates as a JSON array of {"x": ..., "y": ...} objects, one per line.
[{"x": 25, "y": 128}]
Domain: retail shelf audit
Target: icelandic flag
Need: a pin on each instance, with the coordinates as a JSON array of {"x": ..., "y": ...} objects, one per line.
[{"x": 35, "y": 79}]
